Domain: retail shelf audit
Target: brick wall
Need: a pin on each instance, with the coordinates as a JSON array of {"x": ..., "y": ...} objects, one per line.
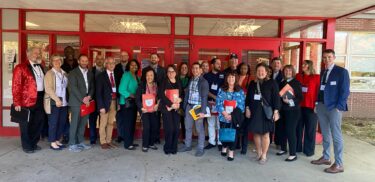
[
  {"x": 355, "y": 24},
  {"x": 360, "y": 104}
]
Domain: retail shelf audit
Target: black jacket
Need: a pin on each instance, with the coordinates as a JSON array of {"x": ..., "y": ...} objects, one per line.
[
  {"x": 118, "y": 75},
  {"x": 164, "y": 101},
  {"x": 104, "y": 91},
  {"x": 297, "y": 88}
]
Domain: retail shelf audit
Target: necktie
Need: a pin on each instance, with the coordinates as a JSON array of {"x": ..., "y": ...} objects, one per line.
[
  {"x": 112, "y": 80},
  {"x": 324, "y": 81}
]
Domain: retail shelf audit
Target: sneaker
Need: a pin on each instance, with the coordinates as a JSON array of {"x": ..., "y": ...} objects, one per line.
[
  {"x": 74, "y": 148},
  {"x": 84, "y": 146},
  {"x": 199, "y": 153},
  {"x": 209, "y": 146},
  {"x": 184, "y": 149}
]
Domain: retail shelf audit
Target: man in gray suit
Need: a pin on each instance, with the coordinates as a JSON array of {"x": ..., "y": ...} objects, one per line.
[{"x": 81, "y": 91}]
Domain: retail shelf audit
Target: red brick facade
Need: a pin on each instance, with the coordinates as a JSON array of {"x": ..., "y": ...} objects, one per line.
[{"x": 361, "y": 104}]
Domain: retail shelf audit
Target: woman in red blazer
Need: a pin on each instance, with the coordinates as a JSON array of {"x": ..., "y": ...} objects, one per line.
[{"x": 308, "y": 121}]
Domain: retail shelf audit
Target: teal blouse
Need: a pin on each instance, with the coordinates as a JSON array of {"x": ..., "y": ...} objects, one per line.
[{"x": 128, "y": 86}]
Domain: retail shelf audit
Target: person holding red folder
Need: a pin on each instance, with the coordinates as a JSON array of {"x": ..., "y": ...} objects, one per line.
[
  {"x": 81, "y": 90},
  {"x": 146, "y": 98},
  {"x": 169, "y": 107}
]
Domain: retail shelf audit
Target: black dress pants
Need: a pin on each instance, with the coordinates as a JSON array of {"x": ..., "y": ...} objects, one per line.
[
  {"x": 150, "y": 127},
  {"x": 288, "y": 125},
  {"x": 306, "y": 131},
  {"x": 171, "y": 125},
  {"x": 129, "y": 116},
  {"x": 30, "y": 131}
]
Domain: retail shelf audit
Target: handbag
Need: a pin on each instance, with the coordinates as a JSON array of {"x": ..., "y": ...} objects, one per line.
[
  {"x": 267, "y": 109},
  {"x": 227, "y": 134}
]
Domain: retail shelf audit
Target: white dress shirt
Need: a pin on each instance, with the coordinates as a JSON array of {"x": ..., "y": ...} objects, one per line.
[
  {"x": 84, "y": 73},
  {"x": 39, "y": 76}
]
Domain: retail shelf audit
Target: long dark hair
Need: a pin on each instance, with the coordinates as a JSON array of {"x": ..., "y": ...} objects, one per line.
[
  {"x": 180, "y": 66},
  {"x": 225, "y": 86},
  {"x": 248, "y": 68}
]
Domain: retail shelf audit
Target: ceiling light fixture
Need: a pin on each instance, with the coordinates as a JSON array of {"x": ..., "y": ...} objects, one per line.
[
  {"x": 29, "y": 24},
  {"x": 238, "y": 28},
  {"x": 128, "y": 25}
]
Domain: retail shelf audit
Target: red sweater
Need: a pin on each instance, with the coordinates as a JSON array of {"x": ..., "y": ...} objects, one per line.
[{"x": 311, "y": 83}]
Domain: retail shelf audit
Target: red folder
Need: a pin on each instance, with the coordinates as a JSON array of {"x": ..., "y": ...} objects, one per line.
[
  {"x": 229, "y": 105},
  {"x": 172, "y": 94},
  {"x": 86, "y": 110},
  {"x": 148, "y": 102}
]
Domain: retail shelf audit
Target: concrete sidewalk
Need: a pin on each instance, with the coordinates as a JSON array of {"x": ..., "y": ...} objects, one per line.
[{"x": 122, "y": 165}]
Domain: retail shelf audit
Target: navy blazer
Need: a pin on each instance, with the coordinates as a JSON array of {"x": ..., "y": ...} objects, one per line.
[
  {"x": 104, "y": 91},
  {"x": 336, "y": 91},
  {"x": 203, "y": 93}
]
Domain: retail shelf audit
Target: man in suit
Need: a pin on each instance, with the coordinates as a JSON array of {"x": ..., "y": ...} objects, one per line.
[
  {"x": 276, "y": 75},
  {"x": 196, "y": 94},
  {"x": 119, "y": 71},
  {"x": 96, "y": 70},
  {"x": 28, "y": 92},
  {"x": 160, "y": 76},
  {"x": 106, "y": 102},
  {"x": 332, "y": 101},
  {"x": 81, "y": 91}
]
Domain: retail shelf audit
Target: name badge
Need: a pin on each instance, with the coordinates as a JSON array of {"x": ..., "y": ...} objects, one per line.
[
  {"x": 304, "y": 89},
  {"x": 221, "y": 76},
  {"x": 114, "y": 89},
  {"x": 214, "y": 86},
  {"x": 322, "y": 87},
  {"x": 257, "y": 97},
  {"x": 333, "y": 82}
]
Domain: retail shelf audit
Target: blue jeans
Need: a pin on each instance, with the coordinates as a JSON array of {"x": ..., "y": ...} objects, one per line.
[
  {"x": 56, "y": 122},
  {"x": 330, "y": 125}
]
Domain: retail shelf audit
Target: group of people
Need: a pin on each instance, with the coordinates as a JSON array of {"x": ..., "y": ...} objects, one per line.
[{"x": 290, "y": 120}]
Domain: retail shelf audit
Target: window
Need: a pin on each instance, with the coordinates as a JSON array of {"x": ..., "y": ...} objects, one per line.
[
  {"x": 236, "y": 27},
  {"x": 42, "y": 42},
  {"x": 314, "y": 53},
  {"x": 182, "y": 25},
  {"x": 128, "y": 24},
  {"x": 63, "y": 41},
  {"x": 303, "y": 29},
  {"x": 52, "y": 21},
  {"x": 356, "y": 52},
  {"x": 10, "y": 19},
  {"x": 181, "y": 51},
  {"x": 291, "y": 54}
]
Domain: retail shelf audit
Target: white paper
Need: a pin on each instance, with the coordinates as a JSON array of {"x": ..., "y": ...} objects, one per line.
[
  {"x": 257, "y": 97},
  {"x": 322, "y": 87}
]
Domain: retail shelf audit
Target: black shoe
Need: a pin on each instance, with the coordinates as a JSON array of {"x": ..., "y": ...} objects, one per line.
[
  {"x": 281, "y": 153},
  {"x": 135, "y": 145},
  {"x": 219, "y": 147},
  {"x": 174, "y": 153},
  {"x": 157, "y": 141},
  {"x": 93, "y": 142},
  {"x": 28, "y": 151},
  {"x": 153, "y": 147},
  {"x": 166, "y": 153},
  {"x": 131, "y": 147},
  {"x": 223, "y": 154},
  {"x": 53, "y": 148},
  {"x": 309, "y": 155},
  {"x": 144, "y": 149},
  {"x": 230, "y": 158},
  {"x": 119, "y": 140},
  {"x": 290, "y": 160},
  {"x": 209, "y": 146},
  {"x": 243, "y": 152},
  {"x": 37, "y": 147}
]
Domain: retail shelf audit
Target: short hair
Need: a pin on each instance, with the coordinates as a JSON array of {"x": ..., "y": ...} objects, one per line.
[
  {"x": 289, "y": 66},
  {"x": 154, "y": 53},
  {"x": 213, "y": 60},
  {"x": 127, "y": 67},
  {"x": 311, "y": 66},
  {"x": 56, "y": 56},
  {"x": 30, "y": 49},
  {"x": 275, "y": 59},
  {"x": 82, "y": 55},
  {"x": 262, "y": 64},
  {"x": 329, "y": 51},
  {"x": 107, "y": 59},
  {"x": 196, "y": 63},
  {"x": 145, "y": 71}
]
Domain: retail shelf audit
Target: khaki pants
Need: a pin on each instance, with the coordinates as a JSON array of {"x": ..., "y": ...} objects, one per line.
[{"x": 107, "y": 121}]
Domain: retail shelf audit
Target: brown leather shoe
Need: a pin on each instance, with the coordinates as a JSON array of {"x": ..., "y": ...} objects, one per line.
[
  {"x": 105, "y": 146},
  {"x": 334, "y": 169},
  {"x": 321, "y": 161}
]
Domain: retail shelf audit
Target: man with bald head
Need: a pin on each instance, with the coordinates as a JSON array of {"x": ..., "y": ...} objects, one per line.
[
  {"x": 119, "y": 71},
  {"x": 96, "y": 70},
  {"x": 28, "y": 93}
]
